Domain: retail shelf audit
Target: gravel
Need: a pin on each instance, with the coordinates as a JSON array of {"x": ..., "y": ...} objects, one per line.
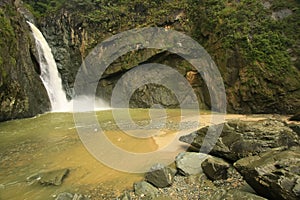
[{"x": 194, "y": 187}]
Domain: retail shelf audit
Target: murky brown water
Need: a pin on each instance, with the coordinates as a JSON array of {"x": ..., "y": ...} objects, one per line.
[{"x": 50, "y": 142}]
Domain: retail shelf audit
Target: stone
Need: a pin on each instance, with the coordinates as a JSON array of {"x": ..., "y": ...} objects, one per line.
[
  {"x": 145, "y": 189},
  {"x": 241, "y": 195},
  {"x": 274, "y": 174},
  {"x": 55, "y": 177},
  {"x": 234, "y": 194},
  {"x": 160, "y": 176},
  {"x": 215, "y": 168},
  {"x": 189, "y": 163},
  {"x": 125, "y": 196},
  {"x": 247, "y": 188},
  {"x": 64, "y": 196},
  {"x": 240, "y": 139},
  {"x": 69, "y": 196}
]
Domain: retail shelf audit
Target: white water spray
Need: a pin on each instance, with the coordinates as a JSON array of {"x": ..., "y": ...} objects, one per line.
[
  {"x": 52, "y": 80},
  {"x": 49, "y": 72}
]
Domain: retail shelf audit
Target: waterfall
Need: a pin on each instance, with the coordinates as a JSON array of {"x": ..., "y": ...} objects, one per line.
[
  {"x": 49, "y": 73},
  {"x": 52, "y": 80}
]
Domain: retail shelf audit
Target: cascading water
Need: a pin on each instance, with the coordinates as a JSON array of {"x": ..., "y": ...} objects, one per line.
[
  {"x": 52, "y": 81},
  {"x": 49, "y": 73}
]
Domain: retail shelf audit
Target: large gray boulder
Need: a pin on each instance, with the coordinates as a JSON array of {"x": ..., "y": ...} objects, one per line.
[
  {"x": 235, "y": 194},
  {"x": 189, "y": 163},
  {"x": 160, "y": 176},
  {"x": 240, "y": 139},
  {"x": 274, "y": 174},
  {"x": 215, "y": 168}
]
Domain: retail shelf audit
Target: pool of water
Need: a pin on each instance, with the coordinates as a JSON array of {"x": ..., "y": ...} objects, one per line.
[{"x": 50, "y": 141}]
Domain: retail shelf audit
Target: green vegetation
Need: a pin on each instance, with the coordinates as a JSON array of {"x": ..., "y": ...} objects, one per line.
[
  {"x": 7, "y": 36},
  {"x": 244, "y": 26},
  {"x": 108, "y": 11},
  {"x": 5, "y": 26},
  {"x": 101, "y": 18},
  {"x": 43, "y": 7}
]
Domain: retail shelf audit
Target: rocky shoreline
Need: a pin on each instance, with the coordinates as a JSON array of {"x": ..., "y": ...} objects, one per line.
[{"x": 251, "y": 160}]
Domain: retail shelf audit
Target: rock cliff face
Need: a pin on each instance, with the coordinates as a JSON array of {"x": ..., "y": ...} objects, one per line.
[
  {"x": 75, "y": 28},
  {"x": 22, "y": 93},
  {"x": 256, "y": 47},
  {"x": 254, "y": 44}
]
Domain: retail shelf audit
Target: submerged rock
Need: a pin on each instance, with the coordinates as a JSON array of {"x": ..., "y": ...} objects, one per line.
[
  {"x": 160, "y": 176},
  {"x": 274, "y": 174},
  {"x": 49, "y": 178},
  {"x": 240, "y": 139},
  {"x": 189, "y": 163},
  {"x": 215, "y": 168}
]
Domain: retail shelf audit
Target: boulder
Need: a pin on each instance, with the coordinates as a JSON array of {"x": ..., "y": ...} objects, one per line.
[
  {"x": 145, "y": 189},
  {"x": 189, "y": 163},
  {"x": 241, "y": 195},
  {"x": 240, "y": 139},
  {"x": 49, "y": 178},
  {"x": 215, "y": 168},
  {"x": 234, "y": 194},
  {"x": 274, "y": 174},
  {"x": 160, "y": 176}
]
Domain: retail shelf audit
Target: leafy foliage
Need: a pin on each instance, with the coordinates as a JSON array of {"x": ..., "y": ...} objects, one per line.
[
  {"x": 5, "y": 27},
  {"x": 244, "y": 26},
  {"x": 97, "y": 10},
  {"x": 7, "y": 36}
]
